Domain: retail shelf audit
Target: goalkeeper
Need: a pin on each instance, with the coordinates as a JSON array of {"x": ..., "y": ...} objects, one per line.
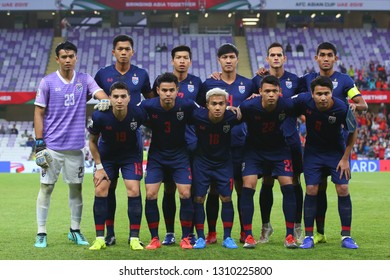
[{"x": 59, "y": 123}]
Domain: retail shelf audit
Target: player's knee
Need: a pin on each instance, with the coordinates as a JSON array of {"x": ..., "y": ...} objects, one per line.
[
  {"x": 225, "y": 198},
  {"x": 199, "y": 199}
]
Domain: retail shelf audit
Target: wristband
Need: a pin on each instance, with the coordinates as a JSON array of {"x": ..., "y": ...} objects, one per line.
[
  {"x": 99, "y": 166},
  {"x": 227, "y": 107}
]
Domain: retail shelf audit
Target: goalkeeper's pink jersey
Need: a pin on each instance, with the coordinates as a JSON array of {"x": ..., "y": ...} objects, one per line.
[{"x": 65, "y": 115}]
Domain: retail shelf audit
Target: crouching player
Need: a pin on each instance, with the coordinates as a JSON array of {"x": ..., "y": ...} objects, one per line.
[
  {"x": 213, "y": 162},
  {"x": 326, "y": 153},
  {"x": 118, "y": 149}
]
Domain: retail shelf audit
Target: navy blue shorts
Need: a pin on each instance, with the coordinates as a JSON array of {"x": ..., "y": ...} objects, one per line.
[
  {"x": 206, "y": 173},
  {"x": 317, "y": 165},
  {"x": 159, "y": 167},
  {"x": 261, "y": 163}
]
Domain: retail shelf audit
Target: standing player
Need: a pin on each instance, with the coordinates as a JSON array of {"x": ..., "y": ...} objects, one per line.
[
  {"x": 114, "y": 146},
  {"x": 239, "y": 88},
  {"x": 137, "y": 80},
  {"x": 325, "y": 151},
  {"x": 343, "y": 88},
  {"x": 168, "y": 154},
  {"x": 59, "y": 123},
  {"x": 213, "y": 163},
  {"x": 189, "y": 86},
  {"x": 289, "y": 85},
  {"x": 266, "y": 153}
]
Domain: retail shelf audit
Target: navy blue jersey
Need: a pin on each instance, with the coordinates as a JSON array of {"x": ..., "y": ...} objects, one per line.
[
  {"x": 343, "y": 85},
  {"x": 238, "y": 91},
  {"x": 289, "y": 83},
  {"x": 137, "y": 79},
  {"x": 188, "y": 88},
  {"x": 324, "y": 129},
  {"x": 290, "y": 86},
  {"x": 213, "y": 138},
  {"x": 168, "y": 127},
  {"x": 264, "y": 128},
  {"x": 118, "y": 139}
]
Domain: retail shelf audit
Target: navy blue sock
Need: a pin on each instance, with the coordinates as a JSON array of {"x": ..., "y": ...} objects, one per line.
[
  {"x": 169, "y": 210},
  {"x": 227, "y": 216},
  {"x": 100, "y": 214},
  {"x": 186, "y": 215},
  {"x": 247, "y": 209},
  {"x": 134, "y": 213},
  {"x": 322, "y": 206},
  {"x": 266, "y": 200},
  {"x": 345, "y": 212},
  {"x": 289, "y": 207},
  {"x": 199, "y": 219},
  {"x": 309, "y": 213},
  {"x": 212, "y": 209},
  {"x": 111, "y": 212},
  {"x": 152, "y": 216}
]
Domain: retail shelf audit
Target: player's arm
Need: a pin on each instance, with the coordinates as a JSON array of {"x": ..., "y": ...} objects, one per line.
[
  {"x": 351, "y": 125},
  {"x": 100, "y": 174},
  {"x": 42, "y": 155},
  {"x": 359, "y": 104}
]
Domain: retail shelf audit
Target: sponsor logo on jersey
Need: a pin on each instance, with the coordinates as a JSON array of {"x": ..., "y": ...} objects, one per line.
[
  {"x": 180, "y": 115},
  {"x": 110, "y": 80}
]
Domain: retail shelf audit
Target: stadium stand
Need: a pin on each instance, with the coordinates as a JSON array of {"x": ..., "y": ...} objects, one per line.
[
  {"x": 24, "y": 58},
  {"x": 95, "y": 45},
  {"x": 355, "y": 46},
  {"x": 13, "y": 146}
]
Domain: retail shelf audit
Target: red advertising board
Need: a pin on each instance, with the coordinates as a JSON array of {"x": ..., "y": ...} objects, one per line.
[
  {"x": 20, "y": 97},
  {"x": 376, "y": 96}
]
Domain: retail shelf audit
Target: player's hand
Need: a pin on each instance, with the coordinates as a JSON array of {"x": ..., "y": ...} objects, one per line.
[
  {"x": 103, "y": 105},
  {"x": 253, "y": 96},
  {"x": 99, "y": 176},
  {"x": 42, "y": 155},
  {"x": 352, "y": 106},
  {"x": 235, "y": 110},
  {"x": 344, "y": 168},
  {"x": 216, "y": 75},
  {"x": 262, "y": 72}
]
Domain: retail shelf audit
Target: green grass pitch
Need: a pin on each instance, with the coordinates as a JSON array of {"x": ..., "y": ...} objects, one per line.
[{"x": 370, "y": 194}]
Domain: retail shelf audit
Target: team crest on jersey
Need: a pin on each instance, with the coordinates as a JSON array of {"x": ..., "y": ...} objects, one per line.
[
  {"x": 226, "y": 128},
  {"x": 332, "y": 119},
  {"x": 241, "y": 89},
  {"x": 180, "y": 115},
  {"x": 191, "y": 88},
  {"x": 79, "y": 87},
  {"x": 133, "y": 125},
  {"x": 288, "y": 84},
  {"x": 135, "y": 80},
  {"x": 335, "y": 83},
  {"x": 282, "y": 116}
]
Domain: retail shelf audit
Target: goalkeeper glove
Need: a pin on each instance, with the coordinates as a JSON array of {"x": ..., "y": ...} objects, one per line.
[
  {"x": 103, "y": 105},
  {"x": 42, "y": 155}
]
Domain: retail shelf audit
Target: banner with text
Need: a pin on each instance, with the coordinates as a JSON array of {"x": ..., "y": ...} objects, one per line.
[{"x": 173, "y": 5}]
